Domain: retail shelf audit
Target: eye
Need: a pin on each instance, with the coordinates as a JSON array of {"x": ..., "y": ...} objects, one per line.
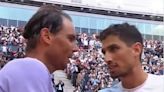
[
  {"x": 72, "y": 38},
  {"x": 113, "y": 49}
]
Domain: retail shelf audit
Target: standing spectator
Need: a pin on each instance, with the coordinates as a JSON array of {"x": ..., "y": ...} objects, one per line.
[
  {"x": 4, "y": 49},
  {"x": 59, "y": 86}
]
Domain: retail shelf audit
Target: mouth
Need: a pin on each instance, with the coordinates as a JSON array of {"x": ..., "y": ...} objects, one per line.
[
  {"x": 112, "y": 67},
  {"x": 70, "y": 55}
]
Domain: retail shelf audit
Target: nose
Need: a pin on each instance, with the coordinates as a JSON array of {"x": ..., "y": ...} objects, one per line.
[
  {"x": 75, "y": 48},
  {"x": 108, "y": 57}
]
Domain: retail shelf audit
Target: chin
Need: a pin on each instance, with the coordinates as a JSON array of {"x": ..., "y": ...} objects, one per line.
[
  {"x": 114, "y": 76},
  {"x": 63, "y": 65}
]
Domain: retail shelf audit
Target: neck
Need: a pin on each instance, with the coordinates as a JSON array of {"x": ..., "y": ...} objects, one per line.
[
  {"x": 134, "y": 78},
  {"x": 41, "y": 57}
]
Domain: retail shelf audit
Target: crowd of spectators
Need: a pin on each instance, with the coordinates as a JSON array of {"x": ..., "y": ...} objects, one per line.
[
  {"x": 152, "y": 58},
  {"x": 12, "y": 44},
  {"x": 87, "y": 70}
]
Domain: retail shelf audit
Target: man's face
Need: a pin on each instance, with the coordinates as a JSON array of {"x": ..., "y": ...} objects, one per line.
[
  {"x": 63, "y": 45},
  {"x": 119, "y": 57}
]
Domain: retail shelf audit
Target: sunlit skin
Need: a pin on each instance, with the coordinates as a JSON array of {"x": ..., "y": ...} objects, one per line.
[
  {"x": 54, "y": 50},
  {"x": 124, "y": 61}
]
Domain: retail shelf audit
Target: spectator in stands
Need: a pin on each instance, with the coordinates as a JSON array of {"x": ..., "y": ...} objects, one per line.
[
  {"x": 74, "y": 73},
  {"x": 2, "y": 60},
  {"x": 59, "y": 86},
  {"x": 50, "y": 39},
  {"x": 90, "y": 58},
  {"x": 4, "y": 48},
  {"x": 122, "y": 47}
]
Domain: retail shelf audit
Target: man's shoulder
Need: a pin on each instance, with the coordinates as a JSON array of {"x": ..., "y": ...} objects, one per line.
[
  {"x": 24, "y": 74},
  {"x": 154, "y": 83},
  {"x": 23, "y": 67},
  {"x": 114, "y": 88},
  {"x": 156, "y": 77}
]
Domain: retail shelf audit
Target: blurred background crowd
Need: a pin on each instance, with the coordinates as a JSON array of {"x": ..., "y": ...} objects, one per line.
[{"x": 87, "y": 70}]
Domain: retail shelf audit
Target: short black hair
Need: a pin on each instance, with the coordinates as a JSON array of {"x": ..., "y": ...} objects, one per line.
[
  {"x": 48, "y": 16},
  {"x": 126, "y": 32}
]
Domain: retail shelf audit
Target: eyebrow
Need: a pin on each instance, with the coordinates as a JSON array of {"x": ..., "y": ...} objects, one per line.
[{"x": 109, "y": 47}]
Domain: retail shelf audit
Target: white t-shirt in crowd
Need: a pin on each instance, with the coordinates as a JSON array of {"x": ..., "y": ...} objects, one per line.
[
  {"x": 4, "y": 48},
  {"x": 85, "y": 42}
]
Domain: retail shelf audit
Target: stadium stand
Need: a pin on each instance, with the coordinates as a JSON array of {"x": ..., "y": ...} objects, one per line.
[{"x": 87, "y": 70}]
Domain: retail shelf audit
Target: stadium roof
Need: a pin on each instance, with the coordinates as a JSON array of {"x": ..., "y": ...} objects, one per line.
[
  {"x": 145, "y": 10},
  {"x": 155, "y": 7}
]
